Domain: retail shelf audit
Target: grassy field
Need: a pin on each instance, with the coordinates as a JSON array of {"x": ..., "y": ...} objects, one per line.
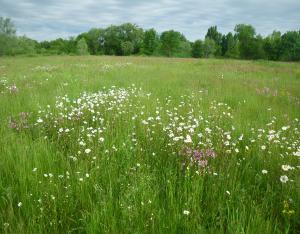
[{"x": 149, "y": 145}]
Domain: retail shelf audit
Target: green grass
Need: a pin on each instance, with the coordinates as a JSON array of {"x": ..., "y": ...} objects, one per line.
[{"x": 145, "y": 185}]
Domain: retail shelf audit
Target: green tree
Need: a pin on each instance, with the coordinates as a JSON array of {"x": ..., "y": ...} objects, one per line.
[
  {"x": 197, "y": 49},
  {"x": 112, "y": 37},
  {"x": 127, "y": 48},
  {"x": 246, "y": 36},
  {"x": 7, "y": 27},
  {"x": 290, "y": 46},
  {"x": 272, "y": 45},
  {"x": 150, "y": 43},
  {"x": 209, "y": 48},
  {"x": 170, "y": 42},
  {"x": 231, "y": 46},
  {"x": 82, "y": 48},
  {"x": 213, "y": 34}
]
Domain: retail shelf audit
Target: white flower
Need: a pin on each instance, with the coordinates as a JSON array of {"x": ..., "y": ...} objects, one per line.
[
  {"x": 19, "y": 204},
  {"x": 264, "y": 171},
  {"x": 34, "y": 169},
  {"x": 228, "y": 192},
  {"x": 286, "y": 167},
  {"x": 297, "y": 154},
  {"x": 241, "y": 137},
  {"x": 263, "y": 147},
  {"x": 285, "y": 128},
  {"x": 144, "y": 122},
  {"x": 186, "y": 212},
  {"x": 87, "y": 175},
  {"x": 101, "y": 139},
  {"x": 188, "y": 139},
  {"x": 61, "y": 130},
  {"x": 284, "y": 179},
  {"x": 40, "y": 120},
  {"x": 87, "y": 151}
]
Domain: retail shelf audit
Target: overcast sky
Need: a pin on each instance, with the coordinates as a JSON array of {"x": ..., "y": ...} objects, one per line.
[{"x": 50, "y": 19}]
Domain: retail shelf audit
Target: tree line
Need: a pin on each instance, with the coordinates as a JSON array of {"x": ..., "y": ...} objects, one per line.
[{"x": 129, "y": 39}]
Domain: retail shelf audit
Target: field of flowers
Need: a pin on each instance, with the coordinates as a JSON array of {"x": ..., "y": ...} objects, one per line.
[{"x": 149, "y": 145}]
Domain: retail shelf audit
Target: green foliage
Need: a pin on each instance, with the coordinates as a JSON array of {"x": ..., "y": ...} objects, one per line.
[
  {"x": 170, "y": 42},
  {"x": 209, "y": 48},
  {"x": 230, "y": 46},
  {"x": 197, "y": 49},
  {"x": 290, "y": 46},
  {"x": 246, "y": 36},
  {"x": 127, "y": 48},
  {"x": 7, "y": 27},
  {"x": 112, "y": 38},
  {"x": 82, "y": 48},
  {"x": 272, "y": 46},
  {"x": 127, "y": 39},
  {"x": 213, "y": 34},
  {"x": 92, "y": 38},
  {"x": 151, "y": 41}
]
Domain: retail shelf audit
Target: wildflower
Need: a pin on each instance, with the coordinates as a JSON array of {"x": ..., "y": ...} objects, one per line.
[
  {"x": 186, "y": 212},
  {"x": 285, "y": 128},
  {"x": 34, "y": 169},
  {"x": 188, "y": 139},
  {"x": 39, "y": 120},
  {"x": 297, "y": 153},
  {"x": 101, "y": 139},
  {"x": 264, "y": 171},
  {"x": 87, "y": 151},
  {"x": 286, "y": 167},
  {"x": 19, "y": 204},
  {"x": 6, "y": 225},
  {"x": 263, "y": 147},
  {"x": 228, "y": 192},
  {"x": 284, "y": 179}
]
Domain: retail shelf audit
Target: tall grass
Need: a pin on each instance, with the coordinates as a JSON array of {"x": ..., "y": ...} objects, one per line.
[{"x": 149, "y": 145}]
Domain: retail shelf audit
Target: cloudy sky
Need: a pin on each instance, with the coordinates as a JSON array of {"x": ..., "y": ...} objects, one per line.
[{"x": 50, "y": 19}]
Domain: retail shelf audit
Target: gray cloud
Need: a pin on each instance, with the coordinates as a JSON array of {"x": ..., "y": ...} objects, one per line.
[{"x": 49, "y": 19}]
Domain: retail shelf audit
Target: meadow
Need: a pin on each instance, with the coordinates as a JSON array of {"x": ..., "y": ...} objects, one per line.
[{"x": 98, "y": 144}]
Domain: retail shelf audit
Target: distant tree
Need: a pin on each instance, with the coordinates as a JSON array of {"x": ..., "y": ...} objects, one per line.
[
  {"x": 82, "y": 48},
  {"x": 92, "y": 38},
  {"x": 258, "y": 48},
  {"x": 7, "y": 27},
  {"x": 197, "y": 49},
  {"x": 170, "y": 42},
  {"x": 290, "y": 46},
  {"x": 112, "y": 37},
  {"x": 209, "y": 48},
  {"x": 230, "y": 46},
  {"x": 151, "y": 41},
  {"x": 272, "y": 46},
  {"x": 213, "y": 34},
  {"x": 185, "y": 48},
  {"x": 127, "y": 48},
  {"x": 246, "y": 36}
]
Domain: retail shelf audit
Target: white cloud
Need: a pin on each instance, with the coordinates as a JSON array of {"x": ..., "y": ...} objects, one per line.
[{"x": 54, "y": 18}]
